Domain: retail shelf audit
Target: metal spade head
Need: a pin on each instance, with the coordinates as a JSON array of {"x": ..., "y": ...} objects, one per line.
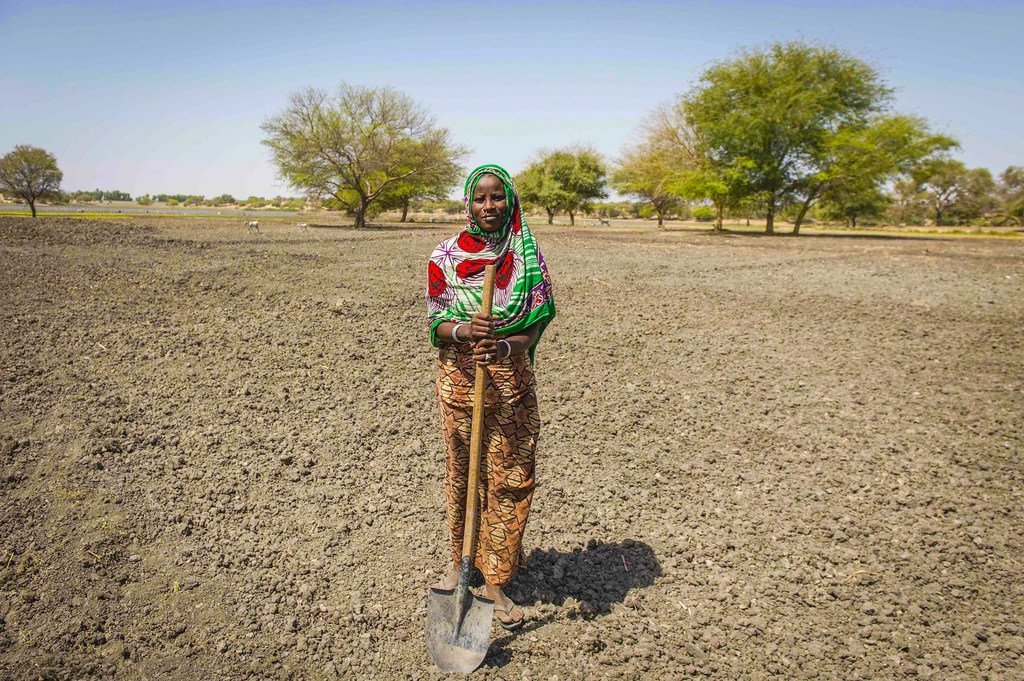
[{"x": 458, "y": 628}]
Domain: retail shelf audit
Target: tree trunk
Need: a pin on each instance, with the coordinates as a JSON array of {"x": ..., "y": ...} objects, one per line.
[
  {"x": 853, "y": 221},
  {"x": 572, "y": 218},
  {"x": 405, "y": 210},
  {"x": 769, "y": 227},
  {"x": 32, "y": 205},
  {"x": 801, "y": 215},
  {"x": 938, "y": 217},
  {"x": 361, "y": 213},
  {"x": 719, "y": 213},
  {"x": 551, "y": 215},
  {"x": 661, "y": 220}
]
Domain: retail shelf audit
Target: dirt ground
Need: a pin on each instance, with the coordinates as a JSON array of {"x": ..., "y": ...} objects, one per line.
[{"x": 761, "y": 457}]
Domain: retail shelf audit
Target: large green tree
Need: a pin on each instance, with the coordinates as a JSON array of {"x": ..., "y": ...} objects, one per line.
[
  {"x": 768, "y": 114},
  {"x": 855, "y": 161},
  {"x": 350, "y": 149},
  {"x": 30, "y": 173},
  {"x": 563, "y": 180}
]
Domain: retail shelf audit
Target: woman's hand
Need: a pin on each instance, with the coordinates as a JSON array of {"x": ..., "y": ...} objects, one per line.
[
  {"x": 485, "y": 347},
  {"x": 481, "y": 327},
  {"x": 485, "y": 351}
]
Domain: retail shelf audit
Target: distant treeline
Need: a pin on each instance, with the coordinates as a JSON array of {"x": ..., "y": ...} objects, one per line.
[
  {"x": 100, "y": 195},
  {"x": 95, "y": 195}
]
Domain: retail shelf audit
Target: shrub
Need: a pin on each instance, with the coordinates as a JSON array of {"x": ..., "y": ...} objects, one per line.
[{"x": 703, "y": 214}]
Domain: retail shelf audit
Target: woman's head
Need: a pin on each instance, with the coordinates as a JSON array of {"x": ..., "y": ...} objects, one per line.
[
  {"x": 490, "y": 199},
  {"x": 489, "y": 203}
]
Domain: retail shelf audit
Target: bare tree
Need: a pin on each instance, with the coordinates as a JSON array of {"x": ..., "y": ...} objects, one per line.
[
  {"x": 350, "y": 149},
  {"x": 30, "y": 173}
]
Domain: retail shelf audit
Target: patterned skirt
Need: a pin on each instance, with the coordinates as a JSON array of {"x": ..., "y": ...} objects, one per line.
[{"x": 511, "y": 427}]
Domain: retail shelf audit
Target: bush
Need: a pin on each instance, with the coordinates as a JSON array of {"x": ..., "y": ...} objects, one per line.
[{"x": 703, "y": 214}]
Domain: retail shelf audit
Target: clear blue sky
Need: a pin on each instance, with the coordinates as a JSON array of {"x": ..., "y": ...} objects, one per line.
[{"x": 169, "y": 97}]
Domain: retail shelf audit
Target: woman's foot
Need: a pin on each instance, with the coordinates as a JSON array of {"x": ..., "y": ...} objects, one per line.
[
  {"x": 450, "y": 580},
  {"x": 509, "y": 615}
]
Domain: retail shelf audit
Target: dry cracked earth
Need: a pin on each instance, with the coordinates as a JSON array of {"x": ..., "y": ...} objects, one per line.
[{"x": 761, "y": 457}]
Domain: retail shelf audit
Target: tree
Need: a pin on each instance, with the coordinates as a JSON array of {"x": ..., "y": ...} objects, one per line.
[
  {"x": 536, "y": 187},
  {"x": 563, "y": 180},
  {"x": 1011, "y": 195},
  {"x": 954, "y": 192},
  {"x": 434, "y": 183},
  {"x": 699, "y": 175},
  {"x": 648, "y": 172},
  {"x": 853, "y": 163},
  {"x": 850, "y": 205},
  {"x": 30, "y": 173},
  {"x": 774, "y": 109},
  {"x": 350, "y": 149}
]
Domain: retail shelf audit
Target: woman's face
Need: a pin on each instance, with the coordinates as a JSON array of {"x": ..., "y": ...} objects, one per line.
[{"x": 489, "y": 203}]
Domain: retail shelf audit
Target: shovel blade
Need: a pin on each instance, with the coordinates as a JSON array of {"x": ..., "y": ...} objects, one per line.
[{"x": 458, "y": 641}]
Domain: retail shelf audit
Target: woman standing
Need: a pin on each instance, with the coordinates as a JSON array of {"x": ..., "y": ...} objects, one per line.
[{"x": 504, "y": 341}]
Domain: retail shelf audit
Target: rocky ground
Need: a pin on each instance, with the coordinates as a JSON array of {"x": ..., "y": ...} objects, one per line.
[{"x": 761, "y": 457}]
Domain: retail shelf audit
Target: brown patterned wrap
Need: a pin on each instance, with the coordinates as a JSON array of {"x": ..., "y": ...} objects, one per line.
[{"x": 511, "y": 427}]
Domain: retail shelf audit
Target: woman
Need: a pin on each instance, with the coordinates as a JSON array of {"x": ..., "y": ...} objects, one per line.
[{"x": 504, "y": 341}]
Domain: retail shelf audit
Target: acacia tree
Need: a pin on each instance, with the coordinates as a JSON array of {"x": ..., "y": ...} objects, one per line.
[
  {"x": 433, "y": 184},
  {"x": 851, "y": 205},
  {"x": 649, "y": 173},
  {"x": 953, "y": 191},
  {"x": 350, "y": 149},
  {"x": 768, "y": 114},
  {"x": 1011, "y": 195},
  {"x": 536, "y": 187},
  {"x": 563, "y": 180},
  {"x": 699, "y": 175},
  {"x": 30, "y": 173},
  {"x": 854, "y": 162}
]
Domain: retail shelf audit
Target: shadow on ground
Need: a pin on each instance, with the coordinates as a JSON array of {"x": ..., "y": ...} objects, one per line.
[{"x": 590, "y": 580}]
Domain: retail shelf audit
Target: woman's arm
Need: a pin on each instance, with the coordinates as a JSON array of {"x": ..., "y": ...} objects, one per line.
[
  {"x": 445, "y": 329},
  {"x": 489, "y": 347}
]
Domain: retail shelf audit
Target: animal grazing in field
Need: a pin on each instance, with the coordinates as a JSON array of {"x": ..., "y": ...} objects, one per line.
[
  {"x": 304, "y": 226},
  {"x": 252, "y": 226},
  {"x": 603, "y": 221}
]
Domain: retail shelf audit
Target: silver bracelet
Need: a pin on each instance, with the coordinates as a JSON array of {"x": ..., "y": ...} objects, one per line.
[
  {"x": 508, "y": 346},
  {"x": 455, "y": 332}
]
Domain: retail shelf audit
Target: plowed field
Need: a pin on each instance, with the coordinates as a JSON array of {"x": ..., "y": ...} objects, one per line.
[{"x": 761, "y": 457}]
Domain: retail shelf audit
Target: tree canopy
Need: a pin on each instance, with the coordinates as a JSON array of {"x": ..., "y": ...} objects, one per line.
[
  {"x": 351, "y": 149},
  {"x": 651, "y": 173},
  {"x": 30, "y": 173},
  {"x": 770, "y": 114},
  {"x": 563, "y": 180}
]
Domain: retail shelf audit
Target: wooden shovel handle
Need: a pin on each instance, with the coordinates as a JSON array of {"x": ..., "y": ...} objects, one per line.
[{"x": 476, "y": 435}]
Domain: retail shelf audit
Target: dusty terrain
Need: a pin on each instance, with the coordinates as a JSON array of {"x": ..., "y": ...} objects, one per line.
[{"x": 761, "y": 457}]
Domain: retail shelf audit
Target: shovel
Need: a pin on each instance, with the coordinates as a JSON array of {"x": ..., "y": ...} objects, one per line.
[{"x": 459, "y": 622}]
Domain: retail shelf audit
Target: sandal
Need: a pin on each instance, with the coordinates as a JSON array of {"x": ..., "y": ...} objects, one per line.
[
  {"x": 513, "y": 624},
  {"x": 443, "y": 583}
]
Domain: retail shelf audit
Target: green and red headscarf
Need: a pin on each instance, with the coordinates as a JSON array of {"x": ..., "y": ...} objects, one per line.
[{"x": 455, "y": 273}]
